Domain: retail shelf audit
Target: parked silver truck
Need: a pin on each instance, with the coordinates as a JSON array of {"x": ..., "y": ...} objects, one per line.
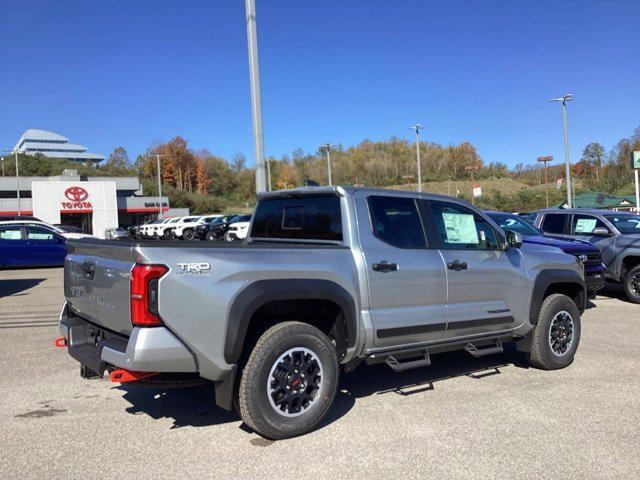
[{"x": 328, "y": 277}]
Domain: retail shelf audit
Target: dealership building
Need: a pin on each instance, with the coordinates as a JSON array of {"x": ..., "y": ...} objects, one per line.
[{"x": 92, "y": 203}]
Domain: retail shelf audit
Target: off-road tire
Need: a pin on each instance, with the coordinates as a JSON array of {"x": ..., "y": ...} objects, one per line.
[
  {"x": 189, "y": 235},
  {"x": 632, "y": 292},
  {"x": 542, "y": 355},
  {"x": 256, "y": 409}
]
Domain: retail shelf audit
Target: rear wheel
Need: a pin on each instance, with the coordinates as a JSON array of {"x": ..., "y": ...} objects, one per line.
[
  {"x": 189, "y": 235},
  {"x": 169, "y": 235},
  {"x": 632, "y": 284},
  {"x": 289, "y": 381},
  {"x": 557, "y": 334},
  {"x": 211, "y": 236}
]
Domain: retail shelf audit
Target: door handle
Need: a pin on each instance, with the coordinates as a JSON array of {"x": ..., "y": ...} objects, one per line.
[
  {"x": 457, "y": 265},
  {"x": 385, "y": 267}
]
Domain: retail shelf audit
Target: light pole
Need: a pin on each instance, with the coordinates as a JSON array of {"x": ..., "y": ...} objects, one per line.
[
  {"x": 545, "y": 160},
  {"x": 327, "y": 148},
  {"x": 15, "y": 152},
  {"x": 564, "y": 99},
  {"x": 160, "y": 214},
  {"x": 417, "y": 127},
  {"x": 256, "y": 101},
  {"x": 471, "y": 168}
]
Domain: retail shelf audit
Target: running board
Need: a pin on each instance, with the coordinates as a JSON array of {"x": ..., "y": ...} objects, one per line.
[
  {"x": 400, "y": 366},
  {"x": 481, "y": 352}
]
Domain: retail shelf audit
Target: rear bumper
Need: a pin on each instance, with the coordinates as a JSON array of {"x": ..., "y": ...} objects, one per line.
[{"x": 146, "y": 350}]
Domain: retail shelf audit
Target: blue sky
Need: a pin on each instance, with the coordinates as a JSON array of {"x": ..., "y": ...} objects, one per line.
[{"x": 130, "y": 72}]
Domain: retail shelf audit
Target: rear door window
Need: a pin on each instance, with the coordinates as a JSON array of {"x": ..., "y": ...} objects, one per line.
[
  {"x": 314, "y": 217},
  {"x": 396, "y": 221},
  {"x": 554, "y": 223}
]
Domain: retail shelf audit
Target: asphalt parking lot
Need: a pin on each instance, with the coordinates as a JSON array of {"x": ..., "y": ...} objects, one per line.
[{"x": 460, "y": 418}]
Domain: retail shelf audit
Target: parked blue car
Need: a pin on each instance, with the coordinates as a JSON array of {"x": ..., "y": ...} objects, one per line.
[
  {"x": 589, "y": 255},
  {"x": 31, "y": 246}
]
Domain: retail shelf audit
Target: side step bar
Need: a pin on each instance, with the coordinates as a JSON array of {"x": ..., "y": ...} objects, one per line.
[
  {"x": 400, "y": 366},
  {"x": 481, "y": 352}
]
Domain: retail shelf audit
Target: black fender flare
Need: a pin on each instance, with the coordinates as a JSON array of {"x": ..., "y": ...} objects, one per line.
[
  {"x": 261, "y": 292},
  {"x": 547, "y": 278}
]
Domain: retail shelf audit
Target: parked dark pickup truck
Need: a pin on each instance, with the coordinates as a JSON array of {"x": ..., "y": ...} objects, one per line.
[
  {"x": 589, "y": 255},
  {"x": 327, "y": 278}
]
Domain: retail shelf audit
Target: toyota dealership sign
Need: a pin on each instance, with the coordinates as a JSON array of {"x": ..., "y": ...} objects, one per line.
[{"x": 76, "y": 199}]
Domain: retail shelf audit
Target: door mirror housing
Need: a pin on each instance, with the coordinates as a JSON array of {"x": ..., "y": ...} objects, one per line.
[
  {"x": 514, "y": 239},
  {"x": 601, "y": 232}
]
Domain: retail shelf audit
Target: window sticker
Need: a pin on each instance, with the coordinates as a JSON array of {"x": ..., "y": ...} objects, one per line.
[
  {"x": 460, "y": 228},
  {"x": 585, "y": 225}
]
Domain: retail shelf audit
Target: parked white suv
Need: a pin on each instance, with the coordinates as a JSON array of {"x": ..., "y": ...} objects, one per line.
[
  {"x": 237, "y": 231},
  {"x": 186, "y": 229}
]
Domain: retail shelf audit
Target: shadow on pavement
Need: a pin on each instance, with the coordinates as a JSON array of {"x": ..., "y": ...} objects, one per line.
[
  {"x": 613, "y": 290},
  {"x": 11, "y": 287},
  {"x": 196, "y": 407}
]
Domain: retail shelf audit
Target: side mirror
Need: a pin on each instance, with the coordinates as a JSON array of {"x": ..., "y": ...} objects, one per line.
[
  {"x": 514, "y": 239},
  {"x": 601, "y": 232}
]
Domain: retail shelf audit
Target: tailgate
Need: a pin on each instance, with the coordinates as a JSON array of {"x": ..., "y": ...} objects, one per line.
[{"x": 97, "y": 282}]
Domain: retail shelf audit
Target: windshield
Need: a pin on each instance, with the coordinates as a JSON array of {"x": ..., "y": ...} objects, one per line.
[
  {"x": 625, "y": 222},
  {"x": 240, "y": 218},
  {"x": 514, "y": 223}
]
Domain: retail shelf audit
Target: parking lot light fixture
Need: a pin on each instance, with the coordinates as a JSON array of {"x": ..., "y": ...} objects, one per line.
[{"x": 564, "y": 99}]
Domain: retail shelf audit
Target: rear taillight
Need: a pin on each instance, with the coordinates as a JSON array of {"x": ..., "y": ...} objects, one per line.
[{"x": 144, "y": 295}]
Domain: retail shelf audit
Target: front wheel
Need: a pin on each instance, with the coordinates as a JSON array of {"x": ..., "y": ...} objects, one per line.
[
  {"x": 189, "y": 235},
  {"x": 632, "y": 284},
  {"x": 557, "y": 334},
  {"x": 289, "y": 381},
  {"x": 211, "y": 236}
]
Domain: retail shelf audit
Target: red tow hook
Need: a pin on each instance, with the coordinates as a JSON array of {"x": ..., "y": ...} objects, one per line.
[
  {"x": 60, "y": 342},
  {"x": 125, "y": 376}
]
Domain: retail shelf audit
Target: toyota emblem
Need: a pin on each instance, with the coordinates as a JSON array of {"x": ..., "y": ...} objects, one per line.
[
  {"x": 583, "y": 258},
  {"x": 76, "y": 194}
]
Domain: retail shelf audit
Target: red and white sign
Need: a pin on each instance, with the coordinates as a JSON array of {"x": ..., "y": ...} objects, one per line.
[
  {"x": 77, "y": 199},
  {"x": 477, "y": 191}
]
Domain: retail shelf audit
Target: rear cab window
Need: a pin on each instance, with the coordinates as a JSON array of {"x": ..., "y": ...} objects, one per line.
[
  {"x": 312, "y": 217},
  {"x": 396, "y": 221},
  {"x": 553, "y": 222}
]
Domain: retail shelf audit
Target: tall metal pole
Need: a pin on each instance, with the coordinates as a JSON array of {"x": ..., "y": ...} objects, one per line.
[
  {"x": 15, "y": 151},
  {"x": 329, "y": 165},
  {"x": 3, "y": 166},
  {"x": 160, "y": 214},
  {"x": 566, "y": 152},
  {"x": 327, "y": 147},
  {"x": 417, "y": 127},
  {"x": 545, "y": 160},
  {"x": 256, "y": 102},
  {"x": 635, "y": 174},
  {"x": 268, "y": 162}
]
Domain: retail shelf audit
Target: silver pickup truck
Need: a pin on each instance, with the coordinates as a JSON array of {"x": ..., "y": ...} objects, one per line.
[{"x": 328, "y": 277}]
